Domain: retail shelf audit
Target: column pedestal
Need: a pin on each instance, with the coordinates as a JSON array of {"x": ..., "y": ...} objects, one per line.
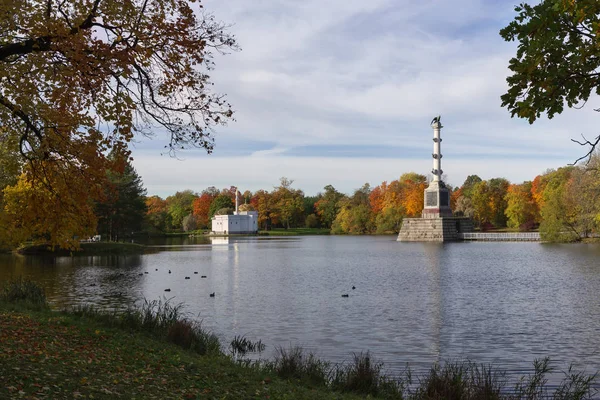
[{"x": 437, "y": 201}]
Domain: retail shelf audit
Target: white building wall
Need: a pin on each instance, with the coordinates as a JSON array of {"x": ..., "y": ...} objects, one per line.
[{"x": 243, "y": 222}]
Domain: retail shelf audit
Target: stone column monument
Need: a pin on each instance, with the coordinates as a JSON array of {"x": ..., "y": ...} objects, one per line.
[
  {"x": 436, "y": 223},
  {"x": 437, "y": 196}
]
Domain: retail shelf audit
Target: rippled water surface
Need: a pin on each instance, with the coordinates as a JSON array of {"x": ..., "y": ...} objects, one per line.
[{"x": 416, "y": 303}]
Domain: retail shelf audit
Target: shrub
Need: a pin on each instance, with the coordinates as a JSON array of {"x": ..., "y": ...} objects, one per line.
[
  {"x": 189, "y": 223},
  {"x": 461, "y": 380},
  {"x": 23, "y": 290},
  {"x": 293, "y": 363},
  {"x": 181, "y": 333},
  {"x": 240, "y": 346},
  {"x": 364, "y": 376},
  {"x": 311, "y": 221},
  {"x": 157, "y": 318}
]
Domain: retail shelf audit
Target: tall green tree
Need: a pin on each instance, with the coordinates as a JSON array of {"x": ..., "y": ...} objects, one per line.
[
  {"x": 355, "y": 215},
  {"x": 498, "y": 189},
  {"x": 220, "y": 202},
  {"x": 327, "y": 206},
  {"x": 179, "y": 206},
  {"x": 289, "y": 204},
  {"x": 123, "y": 210},
  {"x": 559, "y": 215},
  {"x": 157, "y": 217},
  {"x": 521, "y": 209},
  {"x": 469, "y": 185}
]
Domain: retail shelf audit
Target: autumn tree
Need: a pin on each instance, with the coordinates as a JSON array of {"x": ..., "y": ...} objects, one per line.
[
  {"x": 537, "y": 194},
  {"x": 498, "y": 187},
  {"x": 377, "y": 197},
  {"x": 521, "y": 208},
  {"x": 45, "y": 223},
  {"x": 289, "y": 203},
  {"x": 464, "y": 207},
  {"x": 355, "y": 215},
  {"x": 11, "y": 164},
  {"x": 469, "y": 185},
  {"x": 557, "y": 59},
  {"x": 79, "y": 79},
  {"x": 246, "y": 197},
  {"x": 413, "y": 187},
  {"x": 480, "y": 200},
  {"x": 390, "y": 203},
  {"x": 387, "y": 205},
  {"x": 178, "y": 206},
  {"x": 583, "y": 194},
  {"x": 327, "y": 206},
  {"x": 201, "y": 206},
  {"x": 489, "y": 203},
  {"x": 157, "y": 217},
  {"x": 559, "y": 215},
  {"x": 262, "y": 201}
]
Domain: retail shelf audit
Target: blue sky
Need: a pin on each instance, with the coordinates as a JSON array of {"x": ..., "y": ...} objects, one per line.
[{"x": 342, "y": 92}]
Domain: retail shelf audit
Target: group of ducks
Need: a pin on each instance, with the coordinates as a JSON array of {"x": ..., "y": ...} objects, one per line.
[
  {"x": 346, "y": 295},
  {"x": 213, "y": 293},
  {"x": 187, "y": 277}
]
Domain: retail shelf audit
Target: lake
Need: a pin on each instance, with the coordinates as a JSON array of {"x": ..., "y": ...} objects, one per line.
[{"x": 502, "y": 303}]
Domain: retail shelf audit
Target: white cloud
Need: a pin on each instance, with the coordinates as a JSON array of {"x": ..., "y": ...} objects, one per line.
[
  {"x": 164, "y": 176},
  {"x": 368, "y": 73}
]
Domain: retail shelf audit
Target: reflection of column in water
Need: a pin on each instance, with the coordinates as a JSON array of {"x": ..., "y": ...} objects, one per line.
[
  {"x": 236, "y": 277},
  {"x": 433, "y": 254}
]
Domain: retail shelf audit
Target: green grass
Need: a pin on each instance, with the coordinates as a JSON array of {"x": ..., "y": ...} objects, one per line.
[{"x": 295, "y": 231}]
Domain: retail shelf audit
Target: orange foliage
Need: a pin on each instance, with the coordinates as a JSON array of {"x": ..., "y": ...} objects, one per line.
[
  {"x": 413, "y": 198},
  {"x": 156, "y": 205},
  {"x": 537, "y": 192},
  {"x": 201, "y": 207},
  {"x": 454, "y": 197},
  {"x": 376, "y": 197}
]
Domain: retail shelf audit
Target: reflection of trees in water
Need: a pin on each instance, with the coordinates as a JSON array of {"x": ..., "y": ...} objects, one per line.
[
  {"x": 42, "y": 270},
  {"x": 106, "y": 281}
]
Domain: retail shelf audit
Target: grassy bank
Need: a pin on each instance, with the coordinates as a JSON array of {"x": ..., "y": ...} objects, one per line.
[
  {"x": 92, "y": 248},
  {"x": 156, "y": 352}
]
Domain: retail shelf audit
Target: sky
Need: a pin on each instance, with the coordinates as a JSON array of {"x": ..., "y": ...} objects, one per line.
[{"x": 342, "y": 92}]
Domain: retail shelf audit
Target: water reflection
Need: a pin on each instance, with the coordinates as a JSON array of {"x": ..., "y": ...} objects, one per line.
[
  {"x": 504, "y": 303},
  {"x": 434, "y": 256},
  {"x": 219, "y": 240}
]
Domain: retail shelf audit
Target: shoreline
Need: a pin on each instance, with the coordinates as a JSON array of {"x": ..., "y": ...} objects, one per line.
[
  {"x": 84, "y": 352},
  {"x": 86, "y": 248}
]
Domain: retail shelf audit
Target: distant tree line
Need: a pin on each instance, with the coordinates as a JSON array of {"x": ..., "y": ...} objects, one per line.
[{"x": 563, "y": 204}]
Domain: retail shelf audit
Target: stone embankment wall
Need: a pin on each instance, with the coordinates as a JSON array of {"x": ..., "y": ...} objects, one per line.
[{"x": 434, "y": 229}]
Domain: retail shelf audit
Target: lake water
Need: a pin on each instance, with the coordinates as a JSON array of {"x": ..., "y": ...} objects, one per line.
[{"x": 416, "y": 303}]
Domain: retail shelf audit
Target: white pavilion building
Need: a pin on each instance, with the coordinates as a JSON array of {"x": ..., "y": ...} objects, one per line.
[{"x": 241, "y": 222}]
